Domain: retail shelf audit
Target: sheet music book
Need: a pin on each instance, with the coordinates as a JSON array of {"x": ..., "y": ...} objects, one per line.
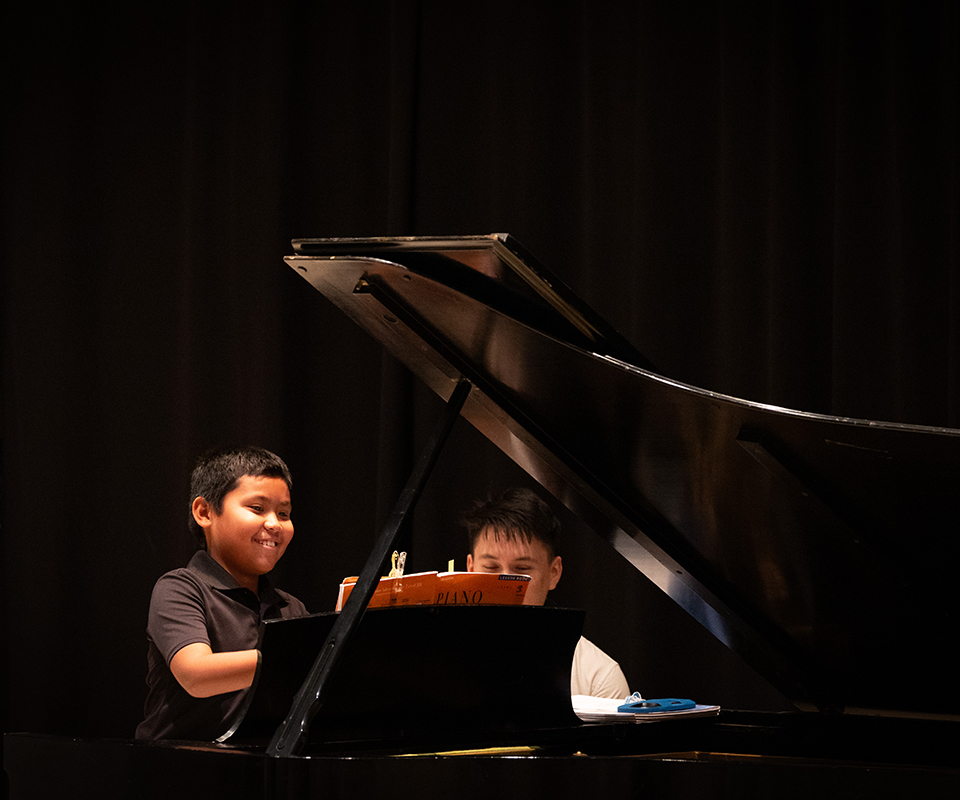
[{"x": 443, "y": 589}]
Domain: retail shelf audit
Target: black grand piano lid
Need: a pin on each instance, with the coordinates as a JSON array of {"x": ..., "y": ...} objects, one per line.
[{"x": 821, "y": 549}]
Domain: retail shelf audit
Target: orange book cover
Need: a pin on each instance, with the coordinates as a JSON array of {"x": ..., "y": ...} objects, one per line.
[
  {"x": 481, "y": 588},
  {"x": 416, "y": 589}
]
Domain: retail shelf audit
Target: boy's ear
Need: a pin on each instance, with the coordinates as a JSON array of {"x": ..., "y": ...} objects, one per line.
[
  {"x": 202, "y": 512},
  {"x": 555, "y": 571}
]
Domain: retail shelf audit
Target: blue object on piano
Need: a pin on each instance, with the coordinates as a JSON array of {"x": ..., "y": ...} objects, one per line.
[{"x": 635, "y": 704}]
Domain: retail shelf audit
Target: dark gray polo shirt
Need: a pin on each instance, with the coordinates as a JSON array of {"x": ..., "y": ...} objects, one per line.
[{"x": 201, "y": 603}]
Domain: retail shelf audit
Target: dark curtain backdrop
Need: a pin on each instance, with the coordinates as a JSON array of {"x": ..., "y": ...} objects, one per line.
[{"x": 763, "y": 197}]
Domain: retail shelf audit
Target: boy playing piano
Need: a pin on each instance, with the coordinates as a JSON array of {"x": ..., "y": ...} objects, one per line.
[
  {"x": 516, "y": 533},
  {"x": 204, "y": 619}
]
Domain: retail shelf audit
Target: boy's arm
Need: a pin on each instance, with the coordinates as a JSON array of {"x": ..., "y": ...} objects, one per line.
[{"x": 203, "y": 673}]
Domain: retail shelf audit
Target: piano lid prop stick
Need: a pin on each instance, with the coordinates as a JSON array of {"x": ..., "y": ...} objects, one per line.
[{"x": 291, "y": 734}]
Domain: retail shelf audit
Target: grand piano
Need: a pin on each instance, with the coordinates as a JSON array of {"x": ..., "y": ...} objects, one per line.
[{"x": 820, "y": 549}]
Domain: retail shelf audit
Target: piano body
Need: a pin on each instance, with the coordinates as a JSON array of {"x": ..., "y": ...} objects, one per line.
[{"x": 818, "y": 548}]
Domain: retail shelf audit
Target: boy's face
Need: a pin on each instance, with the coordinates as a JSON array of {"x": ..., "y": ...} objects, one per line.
[
  {"x": 252, "y": 531},
  {"x": 516, "y": 557}
]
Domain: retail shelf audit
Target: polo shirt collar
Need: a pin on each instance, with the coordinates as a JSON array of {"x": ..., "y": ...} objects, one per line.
[{"x": 217, "y": 577}]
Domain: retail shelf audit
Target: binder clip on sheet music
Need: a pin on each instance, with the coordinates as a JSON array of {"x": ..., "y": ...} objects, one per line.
[
  {"x": 397, "y": 560},
  {"x": 635, "y": 703}
]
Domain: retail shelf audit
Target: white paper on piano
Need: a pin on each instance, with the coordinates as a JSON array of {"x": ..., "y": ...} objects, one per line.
[{"x": 604, "y": 709}]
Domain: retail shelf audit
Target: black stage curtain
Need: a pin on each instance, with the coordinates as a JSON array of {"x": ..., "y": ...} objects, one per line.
[{"x": 763, "y": 197}]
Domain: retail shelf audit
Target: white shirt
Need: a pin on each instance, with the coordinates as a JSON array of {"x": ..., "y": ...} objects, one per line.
[{"x": 595, "y": 674}]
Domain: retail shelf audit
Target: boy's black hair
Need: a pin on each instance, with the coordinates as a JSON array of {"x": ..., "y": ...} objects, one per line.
[
  {"x": 218, "y": 472},
  {"x": 517, "y": 514}
]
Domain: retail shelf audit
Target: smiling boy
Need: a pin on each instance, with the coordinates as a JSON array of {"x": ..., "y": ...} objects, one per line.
[{"x": 204, "y": 619}]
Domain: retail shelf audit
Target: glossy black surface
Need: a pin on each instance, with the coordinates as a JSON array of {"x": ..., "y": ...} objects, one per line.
[
  {"x": 733, "y": 756},
  {"x": 819, "y": 548},
  {"x": 468, "y": 671}
]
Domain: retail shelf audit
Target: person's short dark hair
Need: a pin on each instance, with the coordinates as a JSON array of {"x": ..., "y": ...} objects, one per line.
[
  {"x": 517, "y": 514},
  {"x": 218, "y": 472}
]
